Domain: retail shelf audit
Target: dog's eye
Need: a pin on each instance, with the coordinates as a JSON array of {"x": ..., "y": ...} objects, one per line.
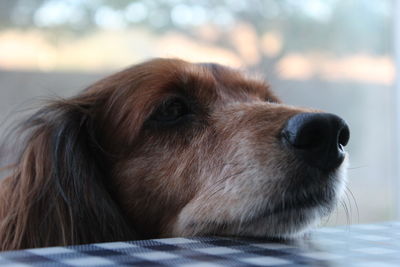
[{"x": 171, "y": 111}]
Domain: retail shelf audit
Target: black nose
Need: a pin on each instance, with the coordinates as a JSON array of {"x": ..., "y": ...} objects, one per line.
[{"x": 317, "y": 138}]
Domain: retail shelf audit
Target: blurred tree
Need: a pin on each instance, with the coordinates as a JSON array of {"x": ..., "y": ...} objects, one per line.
[{"x": 307, "y": 25}]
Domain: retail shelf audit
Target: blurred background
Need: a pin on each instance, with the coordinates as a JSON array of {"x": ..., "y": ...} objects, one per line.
[{"x": 335, "y": 55}]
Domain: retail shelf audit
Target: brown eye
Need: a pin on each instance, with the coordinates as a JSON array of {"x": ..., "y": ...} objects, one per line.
[{"x": 171, "y": 111}]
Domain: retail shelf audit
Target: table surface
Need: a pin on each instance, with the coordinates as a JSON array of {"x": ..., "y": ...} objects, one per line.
[{"x": 376, "y": 245}]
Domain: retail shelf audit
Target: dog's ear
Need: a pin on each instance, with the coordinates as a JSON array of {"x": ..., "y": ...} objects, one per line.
[{"x": 58, "y": 194}]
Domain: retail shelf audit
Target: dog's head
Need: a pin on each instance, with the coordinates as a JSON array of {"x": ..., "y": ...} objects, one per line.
[{"x": 178, "y": 149}]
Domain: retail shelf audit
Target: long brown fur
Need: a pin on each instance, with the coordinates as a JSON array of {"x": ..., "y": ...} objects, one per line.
[
  {"x": 56, "y": 194},
  {"x": 59, "y": 192}
]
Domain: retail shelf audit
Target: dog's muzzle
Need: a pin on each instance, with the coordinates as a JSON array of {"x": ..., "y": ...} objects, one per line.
[{"x": 317, "y": 139}]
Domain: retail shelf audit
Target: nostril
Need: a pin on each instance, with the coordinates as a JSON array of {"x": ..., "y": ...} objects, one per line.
[{"x": 344, "y": 136}]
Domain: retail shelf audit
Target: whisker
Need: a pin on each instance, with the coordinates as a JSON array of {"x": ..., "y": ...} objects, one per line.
[
  {"x": 355, "y": 203},
  {"x": 344, "y": 206},
  {"x": 357, "y": 167},
  {"x": 349, "y": 207}
]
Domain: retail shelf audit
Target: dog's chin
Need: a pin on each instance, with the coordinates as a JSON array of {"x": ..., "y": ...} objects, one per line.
[
  {"x": 294, "y": 217},
  {"x": 285, "y": 225}
]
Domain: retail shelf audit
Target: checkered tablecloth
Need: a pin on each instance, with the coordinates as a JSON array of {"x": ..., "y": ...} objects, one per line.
[{"x": 375, "y": 245}]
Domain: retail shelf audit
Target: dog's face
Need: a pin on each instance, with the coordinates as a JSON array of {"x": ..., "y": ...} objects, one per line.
[
  {"x": 169, "y": 148},
  {"x": 203, "y": 149}
]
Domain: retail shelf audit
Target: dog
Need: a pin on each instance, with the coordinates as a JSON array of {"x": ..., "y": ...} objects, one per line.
[{"x": 170, "y": 148}]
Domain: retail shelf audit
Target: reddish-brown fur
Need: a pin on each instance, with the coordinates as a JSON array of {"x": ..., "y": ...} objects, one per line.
[{"x": 93, "y": 169}]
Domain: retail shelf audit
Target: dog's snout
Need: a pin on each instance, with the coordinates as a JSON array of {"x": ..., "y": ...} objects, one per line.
[{"x": 317, "y": 138}]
